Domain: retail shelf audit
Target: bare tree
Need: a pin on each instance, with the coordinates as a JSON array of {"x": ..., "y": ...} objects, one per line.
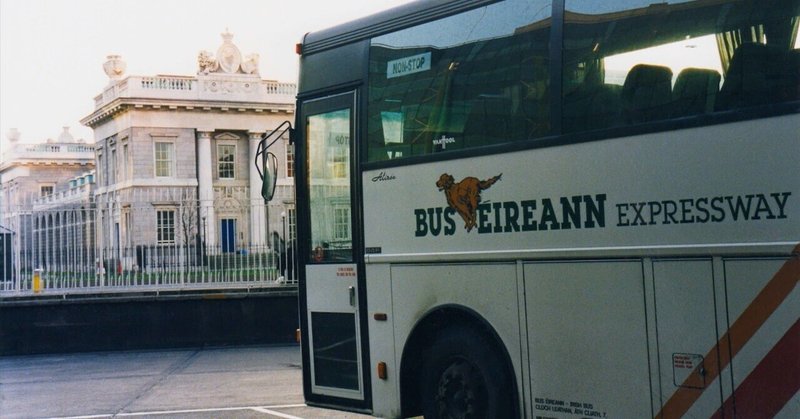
[{"x": 188, "y": 215}]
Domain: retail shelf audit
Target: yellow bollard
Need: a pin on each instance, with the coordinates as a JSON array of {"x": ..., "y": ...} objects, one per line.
[{"x": 37, "y": 280}]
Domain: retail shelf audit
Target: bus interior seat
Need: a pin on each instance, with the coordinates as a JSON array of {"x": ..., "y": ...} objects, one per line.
[
  {"x": 532, "y": 118},
  {"x": 593, "y": 104},
  {"x": 488, "y": 121},
  {"x": 759, "y": 74},
  {"x": 647, "y": 93},
  {"x": 530, "y": 112},
  {"x": 695, "y": 91},
  {"x": 793, "y": 72}
]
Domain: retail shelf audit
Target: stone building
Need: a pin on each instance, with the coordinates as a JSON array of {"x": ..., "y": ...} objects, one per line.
[
  {"x": 39, "y": 173},
  {"x": 175, "y": 157},
  {"x": 64, "y": 227},
  {"x": 30, "y": 171}
]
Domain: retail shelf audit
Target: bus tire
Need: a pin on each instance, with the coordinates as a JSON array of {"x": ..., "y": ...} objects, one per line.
[{"x": 464, "y": 377}]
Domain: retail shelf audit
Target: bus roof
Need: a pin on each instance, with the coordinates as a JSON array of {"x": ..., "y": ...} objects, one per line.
[
  {"x": 384, "y": 22},
  {"x": 424, "y": 10}
]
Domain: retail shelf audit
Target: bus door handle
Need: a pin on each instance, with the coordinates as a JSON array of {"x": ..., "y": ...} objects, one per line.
[{"x": 352, "y": 291}]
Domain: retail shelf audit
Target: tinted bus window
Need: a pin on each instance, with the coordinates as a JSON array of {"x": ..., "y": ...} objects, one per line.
[
  {"x": 625, "y": 66},
  {"x": 477, "y": 78}
]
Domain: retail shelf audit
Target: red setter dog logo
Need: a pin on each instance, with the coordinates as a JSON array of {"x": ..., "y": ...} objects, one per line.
[{"x": 465, "y": 196}]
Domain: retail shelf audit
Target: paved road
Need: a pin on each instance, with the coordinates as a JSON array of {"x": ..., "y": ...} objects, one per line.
[{"x": 246, "y": 382}]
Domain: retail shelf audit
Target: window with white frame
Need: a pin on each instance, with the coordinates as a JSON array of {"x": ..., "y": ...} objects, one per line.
[
  {"x": 289, "y": 159},
  {"x": 46, "y": 190},
  {"x": 101, "y": 177},
  {"x": 292, "y": 223},
  {"x": 112, "y": 167},
  {"x": 124, "y": 164},
  {"x": 341, "y": 223},
  {"x": 340, "y": 156},
  {"x": 164, "y": 159},
  {"x": 226, "y": 160},
  {"x": 165, "y": 226}
]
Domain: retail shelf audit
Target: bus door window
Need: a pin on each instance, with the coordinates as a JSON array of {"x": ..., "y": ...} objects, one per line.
[{"x": 329, "y": 186}]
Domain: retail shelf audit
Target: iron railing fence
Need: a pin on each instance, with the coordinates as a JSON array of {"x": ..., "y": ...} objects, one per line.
[{"x": 146, "y": 245}]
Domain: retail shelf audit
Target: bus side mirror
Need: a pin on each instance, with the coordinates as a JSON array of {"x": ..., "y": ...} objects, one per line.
[
  {"x": 270, "y": 175},
  {"x": 266, "y": 162}
]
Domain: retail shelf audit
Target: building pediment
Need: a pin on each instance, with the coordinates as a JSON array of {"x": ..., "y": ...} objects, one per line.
[{"x": 227, "y": 136}]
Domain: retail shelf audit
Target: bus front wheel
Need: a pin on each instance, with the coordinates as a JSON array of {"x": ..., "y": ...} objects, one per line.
[{"x": 464, "y": 377}]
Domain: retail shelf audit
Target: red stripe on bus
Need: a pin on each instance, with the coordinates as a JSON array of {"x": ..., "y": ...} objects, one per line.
[
  {"x": 753, "y": 317},
  {"x": 771, "y": 384}
]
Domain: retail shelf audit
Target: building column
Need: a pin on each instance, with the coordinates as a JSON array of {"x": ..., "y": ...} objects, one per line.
[
  {"x": 258, "y": 214},
  {"x": 205, "y": 188}
]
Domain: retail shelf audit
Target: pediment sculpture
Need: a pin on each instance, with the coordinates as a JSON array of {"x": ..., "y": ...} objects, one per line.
[
  {"x": 206, "y": 63},
  {"x": 228, "y": 59}
]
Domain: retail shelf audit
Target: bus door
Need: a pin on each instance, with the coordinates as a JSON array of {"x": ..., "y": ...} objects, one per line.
[{"x": 330, "y": 278}]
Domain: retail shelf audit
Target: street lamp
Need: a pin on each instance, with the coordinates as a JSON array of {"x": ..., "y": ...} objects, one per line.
[{"x": 283, "y": 256}]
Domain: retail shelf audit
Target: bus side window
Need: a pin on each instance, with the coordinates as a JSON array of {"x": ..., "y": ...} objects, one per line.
[
  {"x": 671, "y": 58},
  {"x": 530, "y": 103},
  {"x": 488, "y": 121},
  {"x": 793, "y": 65},
  {"x": 469, "y": 80},
  {"x": 518, "y": 109},
  {"x": 759, "y": 74}
]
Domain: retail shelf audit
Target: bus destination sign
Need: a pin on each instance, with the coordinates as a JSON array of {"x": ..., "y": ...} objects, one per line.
[{"x": 408, "y": 65}]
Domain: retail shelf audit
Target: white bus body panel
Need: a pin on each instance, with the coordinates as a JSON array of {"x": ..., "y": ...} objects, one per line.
[
  {"x": 489, "y": 289},
  {"x": 587, "y": 336},
  {"x": 690, "y": 226},
  {"x": 702, "y": 176}
]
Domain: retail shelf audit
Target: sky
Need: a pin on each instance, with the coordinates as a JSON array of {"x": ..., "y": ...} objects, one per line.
[{"x": 52, "y": 51}]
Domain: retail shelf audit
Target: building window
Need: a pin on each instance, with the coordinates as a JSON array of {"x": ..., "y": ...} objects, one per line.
[
  {"x": 226, "y": 160},
  {"x": 46, "y": 190},
  {"x": 292, "y": 223},
  {"x": 126, "y": 222},
  {"x": 289, "y": 160},
  {"x": 340, "y": 161},
  {"x": 341, "y": 223},
  {"x": 165, "y": 226},
  {"x": 112, "y": 167},
  {"x": 100, "y": 167},
  {"x": 165, "y": 159},
  {"x": 124, "y": 164}
]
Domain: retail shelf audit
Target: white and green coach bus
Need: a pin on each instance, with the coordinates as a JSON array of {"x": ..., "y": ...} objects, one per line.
[{"x": 552, "y": 209}]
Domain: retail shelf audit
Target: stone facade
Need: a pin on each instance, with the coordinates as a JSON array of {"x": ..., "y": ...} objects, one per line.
[
  {"x": 187, "y": 145},
  {"x": 28, "y": 170},
  {"x": 37, "y": 177}
]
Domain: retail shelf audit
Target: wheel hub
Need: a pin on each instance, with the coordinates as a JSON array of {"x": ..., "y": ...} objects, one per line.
[{"x": 461, "y": 393}]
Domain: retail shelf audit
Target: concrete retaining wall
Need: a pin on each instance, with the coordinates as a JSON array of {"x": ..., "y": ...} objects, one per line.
[{"x": 103, "y": 323}]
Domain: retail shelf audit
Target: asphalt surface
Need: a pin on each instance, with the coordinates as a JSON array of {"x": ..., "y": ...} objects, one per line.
[{"x": 242, "y": 382}]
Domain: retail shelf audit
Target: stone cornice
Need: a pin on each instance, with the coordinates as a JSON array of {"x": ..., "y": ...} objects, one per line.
[
  {"x": 146, "y": 182},
  {"x": 231, "y": 91},
  {"x": 121, "y": 105},
  {"x": 54, "y": 162}
]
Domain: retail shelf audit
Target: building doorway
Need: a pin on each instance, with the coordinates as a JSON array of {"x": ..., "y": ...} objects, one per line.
[{"x": 228, "y": 235}]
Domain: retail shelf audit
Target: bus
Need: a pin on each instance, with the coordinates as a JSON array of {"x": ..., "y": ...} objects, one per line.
[{"x": 552, "y": 209}]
